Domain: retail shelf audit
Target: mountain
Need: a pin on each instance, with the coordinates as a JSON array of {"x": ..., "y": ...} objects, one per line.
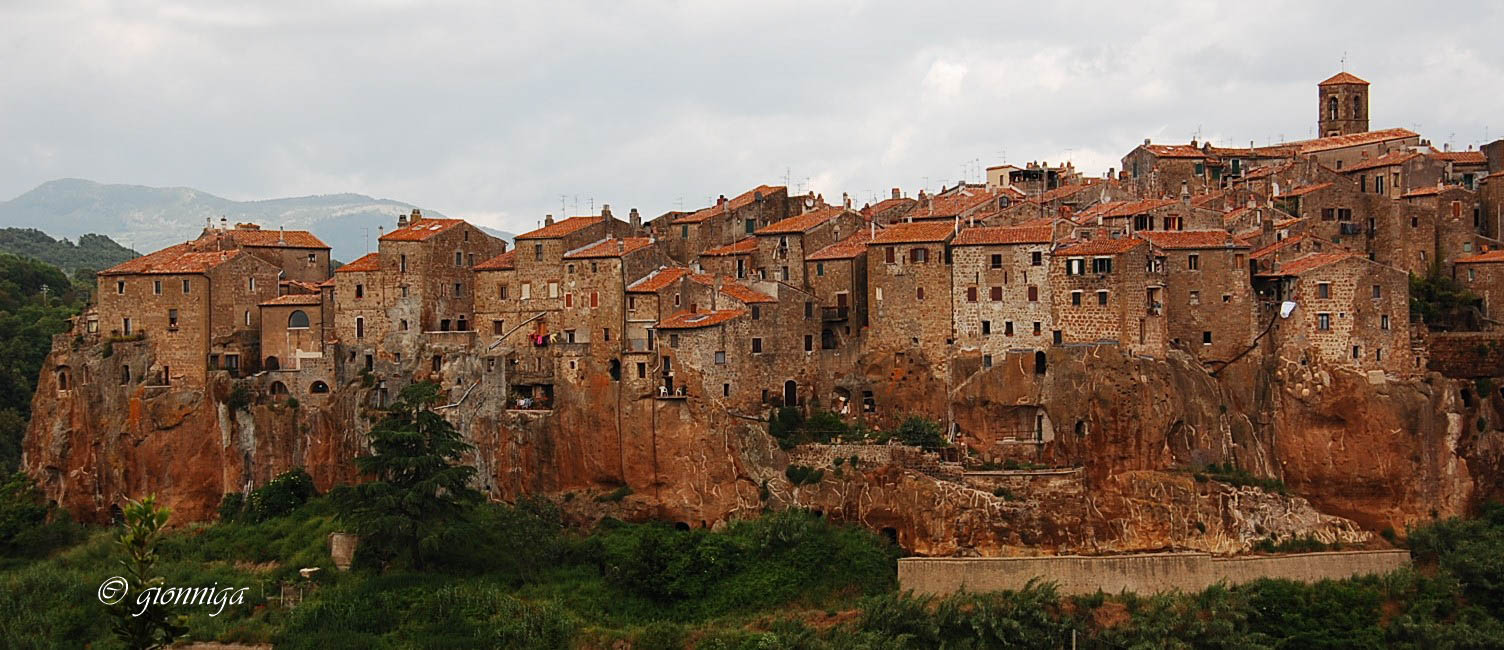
[
  {"x": 149, "y": 218},
  {"x": 91, "y": 252}
]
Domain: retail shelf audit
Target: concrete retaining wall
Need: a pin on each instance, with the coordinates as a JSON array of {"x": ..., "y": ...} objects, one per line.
[{"x": 1145, "y": 574}]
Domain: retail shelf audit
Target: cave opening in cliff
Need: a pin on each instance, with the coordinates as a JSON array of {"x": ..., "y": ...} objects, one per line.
[
  {"x": 891, "y": 533},
  {"x": 681, "y": 526}
]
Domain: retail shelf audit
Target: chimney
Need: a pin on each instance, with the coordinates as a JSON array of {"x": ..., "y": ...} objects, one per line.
[
  {"x": 281, "y": 235},
  {"x": 621, "y": 247},
  {"x": 721, "y": 201},
  {"x": 845, "y": 201},
  {"x": 1447, "y": 146},
  {"x": 417, "y": 216},
  {"x": 896, "y": 194},
  {"x": 402, "y": 220},
  {"x": 548, "y": 220},
  {"x": 1146, "y": 142},
  {"x": 606, "y": 210},
  {"x": 635, "y": 219},
  {"x": 224, "y": 223},
  {"x": 1193, "y": 143}
]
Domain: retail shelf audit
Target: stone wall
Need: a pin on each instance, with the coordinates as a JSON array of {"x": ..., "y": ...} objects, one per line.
[
  {"x": 1466, "y": 354},
  {"x": 1146, "y": 573}
]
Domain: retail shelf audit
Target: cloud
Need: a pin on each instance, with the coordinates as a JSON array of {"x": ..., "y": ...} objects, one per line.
[{"x": 496, "y": 110}]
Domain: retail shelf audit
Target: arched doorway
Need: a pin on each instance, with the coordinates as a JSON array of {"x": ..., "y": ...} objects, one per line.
[
  {"x": 278, "y": 388},
  {"x": 272, "y": 363},
  {"x": 790, "y": 393}
]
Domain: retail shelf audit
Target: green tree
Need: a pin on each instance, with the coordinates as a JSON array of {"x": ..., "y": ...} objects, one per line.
[
  {"x": 417, "y": 485},
  {"x": 148, "y": 624}
]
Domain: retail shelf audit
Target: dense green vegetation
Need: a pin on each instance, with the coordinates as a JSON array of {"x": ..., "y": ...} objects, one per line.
[
  {"x": 35, "y": 302},
  {"x": 790, "y": 428},
  {"x": 1442, "y": 303},
  {"x": 91, "y": 253}
]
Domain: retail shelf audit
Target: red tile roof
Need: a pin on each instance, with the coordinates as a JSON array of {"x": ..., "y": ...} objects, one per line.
[
  {"x": 1266, "y": 170},
  {"x": 368, "y": 262},
  {"x": 1061, "y": 193},
  {"x": 743, "y": 246},
  {"x": 1343, "y": 78},
  {"x": 1465, "y": 157},
  {"x": 1201, "y": 200},
  {"x": 422, "y": 230},
  {"x": 503, "y": 262},
  {"x": 1312, "y": 262},
  {"x": 1174, "y": 151},
  {"x": 1232, "y": 215},
  {"x": 733, "y": 288},
  {"x": 1351, "y": 140},
  {"x": 657, "y": 280},
  {"x": 1430, "y": 190},
  {"x": 909, "y": 233},
  {"x": 276, "y": 239},
  {"x": 802, "y": 223},
  {"x": 845, "y": 249},
  {"x": 741, "y": 200},
  {"x": 1101, "y": 246},
  {"x": 1115, "y": 209},
  {"x": 561, "y": 228},
  {"x": 1387, "y": 160},
  {"x": 952, "y": 204},
  {"x": 1182, "y": 239},
  {"x": 181, "y": 258},
  {"x": 1003, "y": 236},
  {"x": 886, "y": 205},
  {"x": 1483, "y": 258},
  {"x": 1302, "y": 191},
  {"x": 691, "y": 320},
  {"x": 1276, "y": 246},
  {"x": 304, "y": 299},
  {"x": 608, "y": 248}
]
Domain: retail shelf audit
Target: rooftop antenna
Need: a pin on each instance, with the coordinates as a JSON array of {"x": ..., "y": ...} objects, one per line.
[
  {"x": 1343, "y": 62},
  {"x": 562, "y": 208},
  {"x": 786, "y": 176}
]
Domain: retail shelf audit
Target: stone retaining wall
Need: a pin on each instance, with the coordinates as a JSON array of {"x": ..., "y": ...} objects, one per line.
[{"x": 1144, "y": 574}]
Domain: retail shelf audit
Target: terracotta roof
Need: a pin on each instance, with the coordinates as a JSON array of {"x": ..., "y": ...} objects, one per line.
[
  {"x": 1266, "y": 170},
  {"x": 658, "y": 279},
  {"x": 1351, "y": 140},
  {"x": 887, "y": 204},
  {"x": 1060, "y": 193},
  {"x": 1465, "y": 157},
  {"x": 908, "y": 233},
  {"x": 1115, "y": 209},
  {"x": 1483, "y": 258},
  {"x": 276, "y": 239},
  {"x": 299, "y": 286},
  {"x": 1174, "y": 151},
  {"x": 953, "y": 204},
  {"x": 1343, "y": 78},
  {"x": 608, "y": 248},
  {"x": 422, "y": 230},
  {"x": 1430, "y": 190},
  {"x": 845, "y": 249},
  {"x": 503, "y": 262},
  {"x": 802, "y": 223},
  {"x": 1101, "y": 246},
  {"x": 733, "y": 288},
  {"x": 741, "y": 200},
  {"x": 1276, "y": 246},
  {"x": 1387, "y": 160},
  {"x": 691, "y": 320},
  {"x": 305, "y": 299},
  {"x": 1201, "y": 200},
  {"x": 181, "y": 258},
  {"x": 1233, "y": 214},
  {"x": 561, "y": 228},
  {"x": 1180, "y": 239},
  {"x": 1312, "y": 262},
  {"x": 1302, "y": 191},
  {"x": 744, "y": 246},
  {"x": 368, "y": 262},
  {"x": 1003, "y": 236}
]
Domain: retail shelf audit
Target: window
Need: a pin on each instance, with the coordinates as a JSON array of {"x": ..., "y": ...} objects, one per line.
[
  {"x": 1226, "y": 298},
  {"x": 1195, "y": 298},
  {"x": 1206, "y": 337},
  {"x": 756, "y": 346},
  {"x": 248, "y": 318},
  {"x": 404, "y": 291},
  {"x": 809, "y": 343},
  {"x": 1076, "y": 298},
  {"x": 1328, "y": 214},
  {"x": 783, "y": 273},
  {"x": 919, "y": 255},
  {"x": 1033, "y": 294},
  {"x": 1344, "y": 214},
  {"x": 156, "y": 287},
  {"x": 720, "y": 357},
  {"x": 402, "y": 264},
  {"x": 1378, "y": 292},
  {"x": 459, "y": 259},
  {"x": 673, "y": 340},
  {"x": 360, "y": 291},
  {"x": 569, "y": 268},
  {"x": 527, "y": 291},
  {"x": 1075, "y": 266},
  {"x": 120, "y": 287},
  {"x": 402, "y": 324},
  {"x": 726, "y": 388},
  {"x": 459, "y": 289},
  {"x": 986, "y": 328},
  {"x": 1102, "y": 298},
  {"x": 756, "y": 312},
  {"x": 820, "y": 269},
  {"x": 1472, "y": 274},
  {"x": 187, "y": 287},
  {"x": 595, "y": 299},
  {"x": 878, "y": 293},
  {"x": 996, "y": 262},
  {"x": 1008, "y": 328},
  {"x": 1036, "y": 328},
  {"x": 809, "y": 310},
  {"x": 919, "y": 293},
  {"x": 501, "y": 291},
  {"x": 1323, "y": 290},
  {"x": 251, "y": 282},
  {"x": 568, "y": 300},
  {"x": 1414, "y": 222},
  {"x": 538, "y": 252},
  {"x": 642, "y": 370},
  {"x": 298, "y": 319},
  {"x": 1324, "y": 322},
  {"x": 888, "y": 254},
  {"x": 684, "y": 232},
  {"x": 986, "y": 361},
  {"x": 971, "y": 294},
  {"x": 553, "y": 289},
  {"x": 605, "y": 334},
  {"x": 1193, "y": 262},
  {"x": 1363, "y": 183},
  {"x": 1357, "y": 352},
  {"x": 995, "y": 293},
  {"x": 569, "y": 336},
  {"x": 172, "y": 319},
  {"x": 1384, "y": 322},
  {"x": 360, "y": 327},
  {"x": 1101, "y": 265},
  {"x": 497, "y": 327},
  {"x": 1036, "y": 258}
]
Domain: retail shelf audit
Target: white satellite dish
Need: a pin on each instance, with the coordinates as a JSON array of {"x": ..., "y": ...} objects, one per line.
[{"x": 1286, "y": 308}]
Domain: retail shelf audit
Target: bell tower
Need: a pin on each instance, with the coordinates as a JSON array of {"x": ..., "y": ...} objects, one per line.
[{"x": 1343, "y": 105}]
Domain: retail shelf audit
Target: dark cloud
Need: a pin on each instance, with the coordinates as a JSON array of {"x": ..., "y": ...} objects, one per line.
[{"x": 495, "y": 110}]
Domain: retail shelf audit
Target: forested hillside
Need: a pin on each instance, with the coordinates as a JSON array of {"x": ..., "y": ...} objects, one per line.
[
  {"x": 92, "y": 252},
  {"x": 35, "y": 301}
]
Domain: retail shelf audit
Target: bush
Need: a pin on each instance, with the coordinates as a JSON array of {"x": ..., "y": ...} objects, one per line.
[
  {"x": 920, "y": 431},
  {"x": 240, "y": 398},
  {"x": 231, "y": 505},
  {"x": 801, "y": 475},
  {"x": 615, "y": 496},
  {"x": 279, "y": 496},
  {"x": 29, "y": 528}
]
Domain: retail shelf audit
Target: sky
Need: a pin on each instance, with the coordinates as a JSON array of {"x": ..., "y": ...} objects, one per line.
[{"x": 503, "y": 112}]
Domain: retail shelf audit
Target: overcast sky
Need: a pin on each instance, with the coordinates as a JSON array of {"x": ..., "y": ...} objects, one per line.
[{"x": 492, "y": 110}]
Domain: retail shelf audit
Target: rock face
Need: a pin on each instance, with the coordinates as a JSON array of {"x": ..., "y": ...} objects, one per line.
[{"x": 1363, "y": 453}]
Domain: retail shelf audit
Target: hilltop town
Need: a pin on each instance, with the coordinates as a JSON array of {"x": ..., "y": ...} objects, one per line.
[{"x": 1081, "y": 341}]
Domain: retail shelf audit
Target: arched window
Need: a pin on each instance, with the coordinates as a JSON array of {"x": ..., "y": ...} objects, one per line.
[
  {"x": 297, "y": 320},
  {"x": 790, "y": 393},
  {"x": 1331, "y": 108},
  {"x": 318, "y": 387},
  {"x": 1357, "y": 107},
  {"x": 63, "y": 380},
  {"x": 279, "y": 388},
  {"x": 272, "y": 363}
]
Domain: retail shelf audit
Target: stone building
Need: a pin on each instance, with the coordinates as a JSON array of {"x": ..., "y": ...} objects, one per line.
[
  {"x": 686, "y": 236},
  {"x": 735, "y": 259},
  {"x": 1343, "y": 102},
  {"x": 1208, "y": 297},
  {"x": 1483, "y": 275},
  {"x": 301, "y": 256},
  {"x": 1349, "y": 311},
  {"x": 783, "y": 245},
  {"x": 837, "y": 274},
  {"x": 909, "y": 288},
  {"x": 1110, "y": 291},
  {"x": 199, "y": 308},
  {"x": 889, "y": 210},
  {"x": 1001, "y": 289}
]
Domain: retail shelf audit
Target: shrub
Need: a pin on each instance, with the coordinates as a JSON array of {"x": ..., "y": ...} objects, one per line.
[
  {"x": 802, "y": 475},
  {"x": 231, "y": 505},
  {"x": 920, "y": 431},
  {"x": 240, "y": 398},
  {"x": 278, "y": 497},
  {"x": 615, "y": 496}
]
